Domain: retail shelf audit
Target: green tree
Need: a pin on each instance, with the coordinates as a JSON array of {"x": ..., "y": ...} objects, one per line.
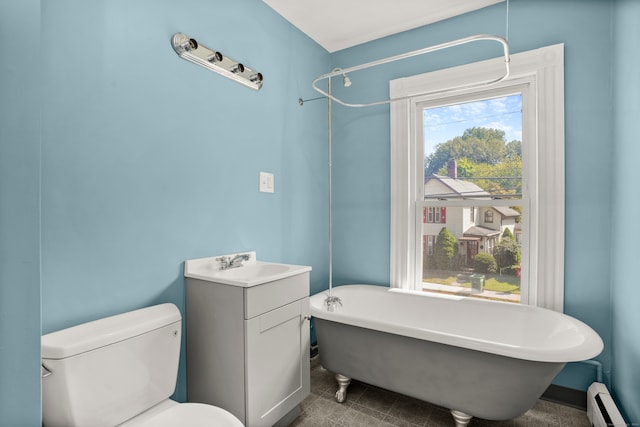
[
  {"x": 513, "y": 149},
  {"x": 507, "y": 252},
  {"x": 478, "y": 145},
  {"x": 519, "y": 210},
  {"x": 483, "y": 157},
  {"x": 445, "y": 250},
  {"x": 507, "y": 234},
  {"x": 503, "y": 178}
]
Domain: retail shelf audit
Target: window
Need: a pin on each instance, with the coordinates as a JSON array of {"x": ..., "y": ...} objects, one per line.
[
  {"x": 488, "y": 216},
  {"x": 536, "y": 215},
  {"x": 431, "y": 241},
  {"x": 491, "y": 243},
  {"x": 436, "y": 215}
]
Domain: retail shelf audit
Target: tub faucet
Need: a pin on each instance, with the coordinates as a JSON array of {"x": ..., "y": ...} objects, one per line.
[{"x": 331, "y": 302}]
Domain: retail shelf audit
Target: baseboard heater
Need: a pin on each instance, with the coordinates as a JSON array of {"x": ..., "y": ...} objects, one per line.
[{"x": 601, "y": 409}]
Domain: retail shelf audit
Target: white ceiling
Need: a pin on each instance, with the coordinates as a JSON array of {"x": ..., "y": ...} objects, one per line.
[{"x": 339, "y": 24}]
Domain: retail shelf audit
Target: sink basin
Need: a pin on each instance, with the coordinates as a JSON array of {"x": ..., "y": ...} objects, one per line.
[
  {"x": 252, "y": 273},
  {"x": 249, "y": 273}
]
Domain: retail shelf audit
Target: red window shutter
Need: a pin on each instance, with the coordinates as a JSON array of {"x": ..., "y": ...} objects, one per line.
[
  {"x": 424, "y": 215},
  {"x": 443, "y": 215}
]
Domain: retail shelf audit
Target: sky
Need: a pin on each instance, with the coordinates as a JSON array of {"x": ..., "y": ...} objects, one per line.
[{"x": 444, "y": 123}]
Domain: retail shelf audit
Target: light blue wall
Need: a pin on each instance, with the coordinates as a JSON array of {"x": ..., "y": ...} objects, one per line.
[
  {"x": 626, "y": 228},
  {"x": 19, "y": 213},
  {"x": 361, "y": 145},
  {"x": 148, "y": 160}
]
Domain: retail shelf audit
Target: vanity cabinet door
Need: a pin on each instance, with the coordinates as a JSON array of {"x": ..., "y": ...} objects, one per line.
[{"x": 277, "y": 362}]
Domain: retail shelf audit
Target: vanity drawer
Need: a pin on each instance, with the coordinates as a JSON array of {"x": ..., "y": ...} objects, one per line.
[{"x": 269, "y": 296}]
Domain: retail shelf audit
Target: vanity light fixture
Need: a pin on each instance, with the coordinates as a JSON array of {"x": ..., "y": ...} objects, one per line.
[{"x": 197, "y": 53}]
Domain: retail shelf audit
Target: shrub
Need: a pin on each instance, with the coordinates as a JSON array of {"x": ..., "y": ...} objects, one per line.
[
  {"x": 445, "y": 250},
  {"x": 428, "y": 263},
  {"x": 507, "y": 252},
  {"x": 511, "y": 270},
  {"x": 485, "y": 263},
  {"x": 507, "y": 234}
]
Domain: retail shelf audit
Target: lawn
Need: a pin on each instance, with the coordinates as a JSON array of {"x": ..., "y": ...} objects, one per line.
[{"x": 492, "y": 282}]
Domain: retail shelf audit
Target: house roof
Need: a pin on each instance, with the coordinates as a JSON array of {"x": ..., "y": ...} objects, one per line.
[
  {"x": 506, "y": 211},
  {"x": 458, "y": 187},
  {"x": 480, "y": 231},
  {"x": 465, "y": 189}
]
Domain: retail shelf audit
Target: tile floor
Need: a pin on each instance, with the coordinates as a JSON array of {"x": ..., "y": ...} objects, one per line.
[{"x": 369, "y": 406}]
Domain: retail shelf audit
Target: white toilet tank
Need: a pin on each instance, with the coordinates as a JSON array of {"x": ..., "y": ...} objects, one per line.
[{"x": 105, "y": 372}]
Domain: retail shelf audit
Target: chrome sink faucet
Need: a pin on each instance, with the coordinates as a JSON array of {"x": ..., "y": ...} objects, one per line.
[
  {"x": 227, "y": 262},
  {"x": 237, "y": 260}
]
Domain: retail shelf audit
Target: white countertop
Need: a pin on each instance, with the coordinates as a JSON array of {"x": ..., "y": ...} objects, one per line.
[{"x": 251, "y": 273}]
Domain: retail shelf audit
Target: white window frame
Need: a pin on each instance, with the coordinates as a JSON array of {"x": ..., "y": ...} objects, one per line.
[{"x": 542, "y": 72}]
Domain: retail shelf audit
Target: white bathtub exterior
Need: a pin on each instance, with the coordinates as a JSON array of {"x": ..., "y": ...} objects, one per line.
[
  {"x": 513, "y": 330},
  {"x": 478, "y": 358}
]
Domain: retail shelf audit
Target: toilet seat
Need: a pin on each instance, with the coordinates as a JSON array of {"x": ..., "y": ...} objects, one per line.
[{"x": 192, "y": 415}]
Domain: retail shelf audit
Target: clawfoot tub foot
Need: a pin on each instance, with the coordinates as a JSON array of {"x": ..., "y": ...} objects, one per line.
[
  {"x": 343, "y": 383},
  {"x": 462, "y": 419}
]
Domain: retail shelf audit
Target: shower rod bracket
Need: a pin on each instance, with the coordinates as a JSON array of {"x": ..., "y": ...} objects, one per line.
[
  {"x": 302, "y": 101},
  {"x": 479, "y": 37},
  {"x": 189, "y": 49}
]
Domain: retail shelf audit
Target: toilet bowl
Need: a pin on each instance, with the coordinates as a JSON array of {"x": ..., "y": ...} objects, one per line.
[
  {"x": 187, "y": 415},
  {"x": 120, "y": 371}
]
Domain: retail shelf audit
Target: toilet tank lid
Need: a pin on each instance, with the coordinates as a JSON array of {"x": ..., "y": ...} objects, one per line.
[{"x": 102, "y": 332}]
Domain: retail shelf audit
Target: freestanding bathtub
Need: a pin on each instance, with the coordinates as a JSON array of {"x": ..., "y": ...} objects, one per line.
[{"x": 479, "y": 358}]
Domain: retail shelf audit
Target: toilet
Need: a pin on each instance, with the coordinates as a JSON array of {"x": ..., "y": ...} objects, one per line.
[{"x": 120, "y": 371}]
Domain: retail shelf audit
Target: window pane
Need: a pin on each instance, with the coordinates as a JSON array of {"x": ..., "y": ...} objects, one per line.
[{"x": 473, "y": 152}]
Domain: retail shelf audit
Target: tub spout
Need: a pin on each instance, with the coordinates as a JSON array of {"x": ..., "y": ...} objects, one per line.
[{"x": 331, "y": 303}]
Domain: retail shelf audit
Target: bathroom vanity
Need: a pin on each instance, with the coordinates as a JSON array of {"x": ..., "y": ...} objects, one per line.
[{"x": 248, "y": 338}]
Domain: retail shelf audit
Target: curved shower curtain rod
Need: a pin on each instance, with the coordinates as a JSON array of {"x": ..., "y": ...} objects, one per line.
[{"x": 479, "y": 37}]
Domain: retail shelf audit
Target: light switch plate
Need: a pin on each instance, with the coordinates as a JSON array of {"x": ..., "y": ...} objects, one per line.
[{"x": 266, "y": 182}]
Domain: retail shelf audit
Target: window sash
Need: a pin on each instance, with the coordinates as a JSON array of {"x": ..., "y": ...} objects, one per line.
[{"x": 543, "y": 70}]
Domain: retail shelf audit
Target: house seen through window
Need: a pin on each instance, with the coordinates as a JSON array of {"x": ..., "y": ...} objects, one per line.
[{"x": 472, "y": 218}]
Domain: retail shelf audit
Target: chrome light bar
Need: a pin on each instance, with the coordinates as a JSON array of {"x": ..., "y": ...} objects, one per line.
[{"x": 192, "y": 51}]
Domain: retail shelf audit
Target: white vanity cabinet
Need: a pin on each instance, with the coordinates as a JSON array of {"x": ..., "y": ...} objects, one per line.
[{"x": 248, "y": 347}]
